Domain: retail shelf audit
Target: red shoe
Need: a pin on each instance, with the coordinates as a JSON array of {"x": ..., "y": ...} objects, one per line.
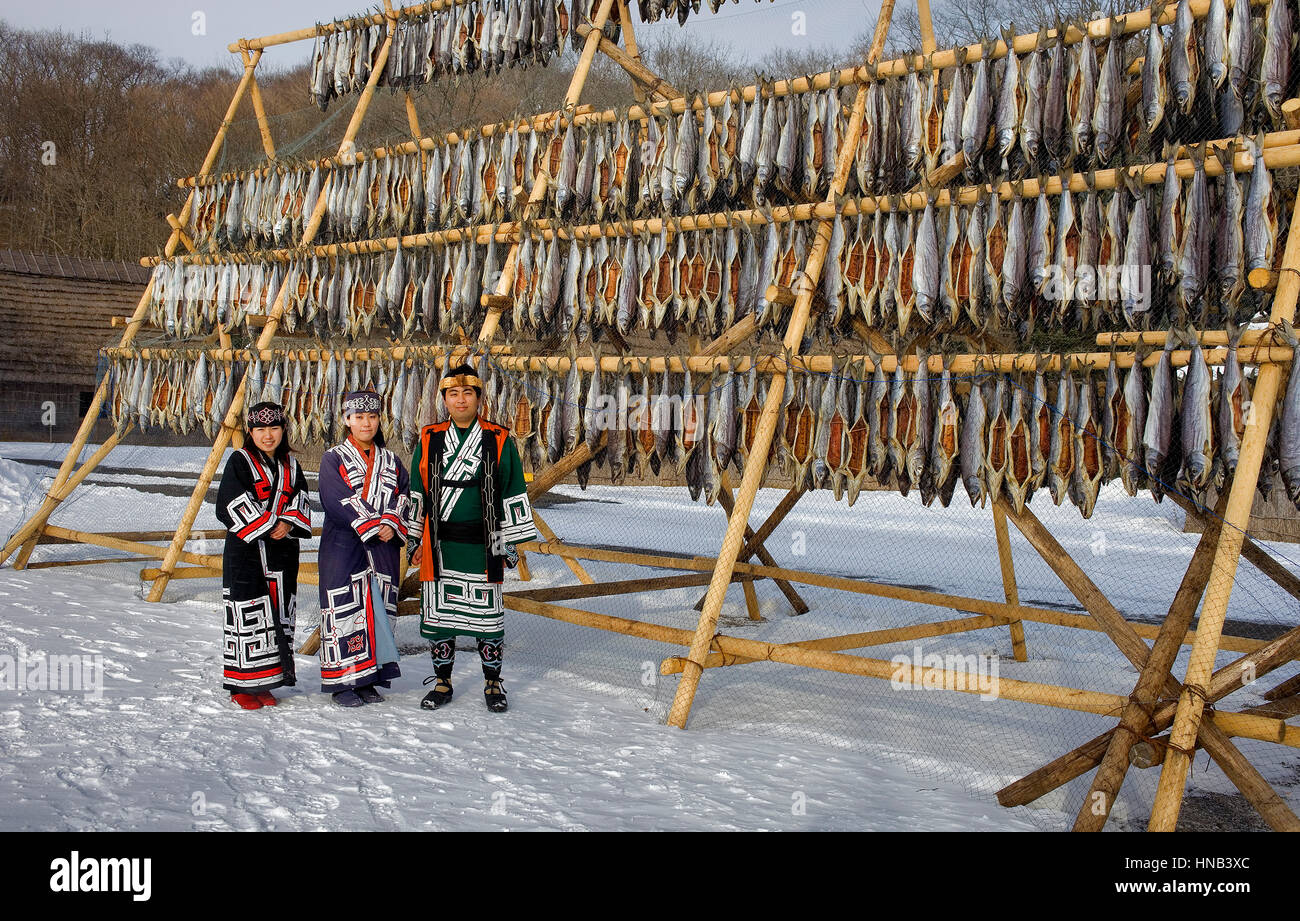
[
  {"x": 247, "y": 701},
  {"x": 267, "y": 699}
]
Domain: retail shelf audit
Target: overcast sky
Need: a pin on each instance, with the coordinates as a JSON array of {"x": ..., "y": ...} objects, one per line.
[{"x": 170, "y": 25}]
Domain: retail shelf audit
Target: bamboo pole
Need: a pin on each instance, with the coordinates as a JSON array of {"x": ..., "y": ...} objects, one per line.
[
  {"x": 1009, "y": 587},
  {"x": 116, "y": 543},
  {"x": 1133, "y": 721},
  {"x": 643, "y": 77},
  {"x": 895, "y": 592},
  {"x": 1225, "y": 681},
  {"x": 573, "y": 564},
  {"x": 1067, "y": 698},
  {"x": 629, "y": 39},
  {"x": 620, "y": 587},
  {"x": 1253, "y": 553},
  {"x": 1083, "y": 588},
  {"x": 1291, "y": 113},
  {"x": 926, "y": 23},
  {"x": 552, "y": 475},
  {"x": 1246, "y": 778},
  {"x": 345, "y": 25},
  {"x": 1281, "y": 150},
  {"x": 753, "y": 475},
  {"x": 963, "y": 364},
  {"x": 755, "y": 547},
  {"x": 674, "y": 665},
  {"x": 56, "y": 496},
  {"x": 29, "y": 531},
  {"x": 231, "y": 421},
  {"x": 1173, "y": 777},
  {"x": 259, "y": 109}
]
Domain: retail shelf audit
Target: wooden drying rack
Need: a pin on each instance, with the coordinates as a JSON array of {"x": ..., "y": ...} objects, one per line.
[{"x": 1158, "y": 702}]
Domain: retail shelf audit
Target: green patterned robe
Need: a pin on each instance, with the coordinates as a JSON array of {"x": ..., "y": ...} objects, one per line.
[{"x": 462, "y": 601}]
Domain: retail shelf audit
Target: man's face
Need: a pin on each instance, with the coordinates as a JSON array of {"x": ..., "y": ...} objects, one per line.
[{"x": 462, "y": 403}]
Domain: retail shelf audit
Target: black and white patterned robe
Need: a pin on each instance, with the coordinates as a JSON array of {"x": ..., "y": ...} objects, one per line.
[{"x": 259, "y": 586}]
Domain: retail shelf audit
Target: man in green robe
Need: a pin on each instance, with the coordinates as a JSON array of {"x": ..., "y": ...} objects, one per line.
[{"x": 471, "y": 505}]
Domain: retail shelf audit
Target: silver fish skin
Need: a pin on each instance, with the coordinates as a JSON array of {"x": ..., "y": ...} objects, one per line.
[
  {"x": 1158, "y": 434},
  {"x": 919, "y": 448},
  {"x": 925, "y": 266},
  {"x": 1216, "y": 43},
  {"x": 1108, "y": 117},
  {"x": 1229, "y": 241},
  {"x": 995, "y": 452},
  {"x": 571, "y": 411},
  {"x": 954, "y": 114},
  {"x": 1040, "y": 433},
  {"x": 1155, "y": 85},
  {"x": 878, "y": 421},
  {"x": 768, "y": 145},
  {"x": 722, "y": 430},
  {"x": 1171, "y": 224},
  {"x": 1060, "y": 457},
  {"x": 1261, "y": 223},
  {"x": 688, "y": 146},
  {"x": 1275, "y": 69},
  {"x": 749, "y": 138},
  {"x": 1089, "y": 467},
  {"x": 1198, "y": 229},
  {"x": 1018, "y": 477},
  {"x": 1038, "y": 256},
  {"x": 975, "y": 115},
  {"x": 1082, "y": 98},
  {"x": 1135, "y": 295},
  {"x": 1234, "y": 395},
  {"x": 1054, "y": 102},
  {"x": 1184, "y": 60},
  {"x": 945, "y": 439},
  {"x": 1031, "y": 120},
  {"x": 1010, "y": 102},
  {"x": 1111, "y": 409},
  {"x": 910, "y": 116},
  {"x": 628, "y": 294},
  {"x": 1288, "y": 438},
  {"x": 971, "y": 453},
  {"x": 1197, "y": 427},
  {"x": 1241, "y": 50}
]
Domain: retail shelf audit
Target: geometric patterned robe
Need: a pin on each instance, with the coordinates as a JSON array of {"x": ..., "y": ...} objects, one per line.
[
  {"x": 259, "y": 576},
  {"x": 358, "y": 572},
  {"x": 460, "y": 591}
]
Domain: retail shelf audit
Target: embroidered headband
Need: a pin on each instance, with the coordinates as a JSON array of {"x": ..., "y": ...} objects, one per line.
[
  {"x": 265, "y": 414},
  {"x": 461, "y": 380},
  {"x": 361, "y": 401}
]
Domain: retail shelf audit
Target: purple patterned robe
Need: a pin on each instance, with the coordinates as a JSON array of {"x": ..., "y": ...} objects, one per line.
[{"x": 351, "y": 651}]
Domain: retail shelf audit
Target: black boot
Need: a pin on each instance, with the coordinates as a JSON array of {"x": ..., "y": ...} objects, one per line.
[
  {"x": 494, "y": 694},
  {"x": 440, "y": 695}
]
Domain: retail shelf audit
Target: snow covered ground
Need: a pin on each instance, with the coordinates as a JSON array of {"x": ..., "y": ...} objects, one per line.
[{"x": 584, "y": 745}]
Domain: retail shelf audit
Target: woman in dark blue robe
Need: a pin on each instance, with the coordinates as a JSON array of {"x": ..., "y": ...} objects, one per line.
[
  {"x": 262, "y": 501},
  {"x": 363, "y": 492}
]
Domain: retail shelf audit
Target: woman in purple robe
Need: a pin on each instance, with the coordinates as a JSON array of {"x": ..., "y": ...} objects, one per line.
[{"x": 363, "y": 492}]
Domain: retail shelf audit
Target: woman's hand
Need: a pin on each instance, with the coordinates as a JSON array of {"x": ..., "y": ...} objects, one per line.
[
  {"x": 280, "y": 531},
  {"x": 386, "y": 533}
]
